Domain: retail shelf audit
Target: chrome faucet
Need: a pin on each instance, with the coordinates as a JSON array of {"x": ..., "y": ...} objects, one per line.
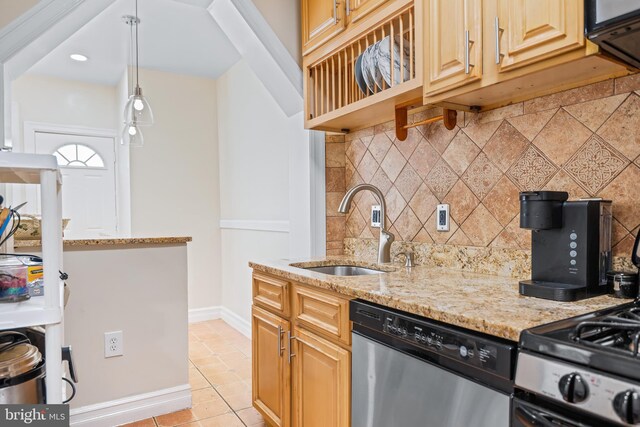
[{"x": 386, "y": 238}]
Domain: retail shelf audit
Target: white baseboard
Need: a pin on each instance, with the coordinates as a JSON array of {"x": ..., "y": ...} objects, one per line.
[
  {"x": 133, "y": 408},
  {"x": 236, "y": 322},
  {"x": 219, "y": 312},
  {"x": 205, "y": 313}
]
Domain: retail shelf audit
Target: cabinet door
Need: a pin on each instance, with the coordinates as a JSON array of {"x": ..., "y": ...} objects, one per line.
[
  {"x": 321, "y": 20},
  {"x": 533, "y": 30},
  {"x": 270, "y": 372},
  {"x": 356, "y": 9},
  {"x": 321, "y": 382},
  {"x": 453, "y": 33}
]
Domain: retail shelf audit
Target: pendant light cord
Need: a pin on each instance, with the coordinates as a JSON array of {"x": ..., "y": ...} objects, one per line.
[{"x": 137, "y": 22}]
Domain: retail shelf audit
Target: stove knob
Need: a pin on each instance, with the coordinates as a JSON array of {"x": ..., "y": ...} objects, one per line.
[
  {"x": 627, "y": 406},
  {"x": 573, "y": 388}
]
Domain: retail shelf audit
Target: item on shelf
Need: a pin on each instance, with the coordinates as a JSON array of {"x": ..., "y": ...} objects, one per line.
[
  {"x": 359, "y": 77},
  {"x": 22, "y": 370},
  {"x": 375, "y": 67},
  {"x": 367, "y": 67},
  {"x": 623, "y": 284},
  {"x": 384, "y": 60},
  {"x": 13, "y": 280},
  {"x": 30, "y": 226},
  {"x": 35, "y": 275}
]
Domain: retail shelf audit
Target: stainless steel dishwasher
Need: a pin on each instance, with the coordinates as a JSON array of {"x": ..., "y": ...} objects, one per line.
[{"x": 409, "y": 371}]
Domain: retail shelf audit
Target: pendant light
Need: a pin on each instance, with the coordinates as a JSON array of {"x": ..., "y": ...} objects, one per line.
[
  {"x": 132, "y": 135},
  {"x": 137, "y": 112}
]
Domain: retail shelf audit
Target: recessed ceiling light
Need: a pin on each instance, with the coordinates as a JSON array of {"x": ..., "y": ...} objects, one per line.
[{"x": 78, "y": 57}]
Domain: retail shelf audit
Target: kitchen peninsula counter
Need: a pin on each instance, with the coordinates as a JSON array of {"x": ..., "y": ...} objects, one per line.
[
  {"x": 480, "y": 302},
  {"x": 108, "y": 241}
]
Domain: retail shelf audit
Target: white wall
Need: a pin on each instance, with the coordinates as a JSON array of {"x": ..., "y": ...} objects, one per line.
[
  {"x": 174, "y": 178},
  {"x": 255, "y": 139},
  {"x": 62, "y": 102}
]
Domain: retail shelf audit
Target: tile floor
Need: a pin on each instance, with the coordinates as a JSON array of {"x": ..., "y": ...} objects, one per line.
[{"x": 220, "y": 378}]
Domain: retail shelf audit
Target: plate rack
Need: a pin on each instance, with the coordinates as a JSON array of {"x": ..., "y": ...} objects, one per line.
[{"x": 331, "y": 86}]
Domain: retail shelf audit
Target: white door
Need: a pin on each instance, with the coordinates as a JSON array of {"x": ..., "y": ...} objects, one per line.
[{"x": 87, "y": 164}]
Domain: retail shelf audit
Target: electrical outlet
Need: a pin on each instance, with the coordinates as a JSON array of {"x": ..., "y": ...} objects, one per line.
[
  {"x": 113, "y": 344},
  {"x": 442, "y": 217},
  {"x": 375, "y": 216}
]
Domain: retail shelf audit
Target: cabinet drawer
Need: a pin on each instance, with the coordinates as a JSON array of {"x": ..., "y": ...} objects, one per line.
[
  {"x": 322, "y": 312},
  {"x": 271, "y": 293}
]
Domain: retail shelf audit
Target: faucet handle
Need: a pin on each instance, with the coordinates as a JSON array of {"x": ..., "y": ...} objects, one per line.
[{"x": 409, "y": 258}]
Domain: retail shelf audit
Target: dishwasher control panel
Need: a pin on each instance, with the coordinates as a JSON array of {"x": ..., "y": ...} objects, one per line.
[{"x": 420, "y": 334}]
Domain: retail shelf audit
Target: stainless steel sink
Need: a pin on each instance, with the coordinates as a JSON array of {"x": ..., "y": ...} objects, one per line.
[{"x": 344, "y": 270}]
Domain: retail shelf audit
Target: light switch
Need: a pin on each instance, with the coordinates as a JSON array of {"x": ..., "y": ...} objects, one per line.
[
  {"x": 375, "y": 216},
  {"x": 442, "y": 217}
]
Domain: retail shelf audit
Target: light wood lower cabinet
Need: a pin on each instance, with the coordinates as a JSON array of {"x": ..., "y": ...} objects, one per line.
[
  {"x": 301, "y": 361},
  {"x": 271, "y": 373},
  {"x": 321, "y": 382}
]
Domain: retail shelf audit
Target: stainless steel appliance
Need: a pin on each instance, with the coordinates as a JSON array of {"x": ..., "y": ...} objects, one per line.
[
  {"x": 570, "y": 245},
  {"x": 22, "y": 370},
  {"x": 583, "y": 371},
  {"x": 615, "y": 26},
  {"x": 409, "y": 371}
]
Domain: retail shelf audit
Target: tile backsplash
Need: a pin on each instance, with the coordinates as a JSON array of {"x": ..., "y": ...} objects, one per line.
[{"x": 585, "y": 141}]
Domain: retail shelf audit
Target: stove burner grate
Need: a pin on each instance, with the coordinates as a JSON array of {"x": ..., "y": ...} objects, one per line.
[{"x": 619, "y": 332}]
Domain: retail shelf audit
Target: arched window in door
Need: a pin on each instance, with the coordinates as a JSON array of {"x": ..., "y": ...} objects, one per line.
[{"x": 79, "y": 156}]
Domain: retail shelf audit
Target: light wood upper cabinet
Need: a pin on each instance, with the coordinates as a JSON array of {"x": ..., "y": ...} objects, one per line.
[
  {"x": 533, "y": 30},
  {"x": 357, "y": 9},
  {"x": 321, "y": 382},
  {"x": 271, "y": 372},
  {"x": 321, "y": 20},
  {"x": 453, "y": 33}
]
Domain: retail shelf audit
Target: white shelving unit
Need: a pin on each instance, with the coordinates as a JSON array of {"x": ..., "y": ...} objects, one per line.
[{"x": 47, "y": 311}]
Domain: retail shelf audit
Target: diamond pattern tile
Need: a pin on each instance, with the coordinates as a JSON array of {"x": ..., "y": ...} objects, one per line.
[
  {"x": 438, "y": 135},
  {"x": 408, "y": 182},
  {"x": 480, "y": 167},
  {"x": 625, "y": 193},
  {"x": 593, "y": 113},
  {"x": 532, "y": 171},
  {"x": 393, "y": 163},
  {"x": 481, "y": 176},
  {"x": 355, "y": 151},
  {"x": 481, "y": 227},
  {"x": 561, "y": 137},
  {"x": 423, "y": 202},
  {"x": 621, "y": 129},
  {"x": 408, "y": 224},
  {"x": 480, "y": 133},
  {"x": 461, "y": 201},
  {"x": 503, "y": 201},
  {"x": 595, "y": 165},
  {"x": 460, "y": 153},
  {"x": 395, "y": 204},
  {"x": 530, "y": 125},
  {"x": 379, "y": 146},
  {"x": 424, "y": 158},
  {"x": 441, "y": 179},
  {"x": 505, "y": 146},
  {"x": 368, "y": 167}
]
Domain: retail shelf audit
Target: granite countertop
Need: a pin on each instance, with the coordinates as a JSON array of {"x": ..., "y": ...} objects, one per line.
[
  {"x": 108, "y": 241},
  {"x": 484, "y": 303}
]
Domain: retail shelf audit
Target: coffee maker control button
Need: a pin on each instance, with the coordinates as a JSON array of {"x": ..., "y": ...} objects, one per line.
[
  {"x": 573, "y": 254},
  {"x": 573, "y": 262},
  {"x": 573, "y": 236},
  {"x": 573, "y": 245}
]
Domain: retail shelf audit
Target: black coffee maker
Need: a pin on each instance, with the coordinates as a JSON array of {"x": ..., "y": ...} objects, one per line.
[{"x": 570, "y": 245}]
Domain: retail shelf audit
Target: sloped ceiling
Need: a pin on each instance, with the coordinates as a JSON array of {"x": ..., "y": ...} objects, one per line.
[{"x": 175, "y": 36}]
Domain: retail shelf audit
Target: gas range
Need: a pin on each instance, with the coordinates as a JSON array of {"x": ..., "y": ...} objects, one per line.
[{"x": 582, "y": 371}]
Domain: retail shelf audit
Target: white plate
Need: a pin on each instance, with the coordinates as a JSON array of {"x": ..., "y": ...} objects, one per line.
[
  {"x": 367, "y": 60},
  {"x": 384, "y": 60},
  {"x": 375, "y": 70}
]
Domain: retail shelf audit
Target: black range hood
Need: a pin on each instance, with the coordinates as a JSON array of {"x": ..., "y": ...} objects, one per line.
[{"x": 614, "y": 25}]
